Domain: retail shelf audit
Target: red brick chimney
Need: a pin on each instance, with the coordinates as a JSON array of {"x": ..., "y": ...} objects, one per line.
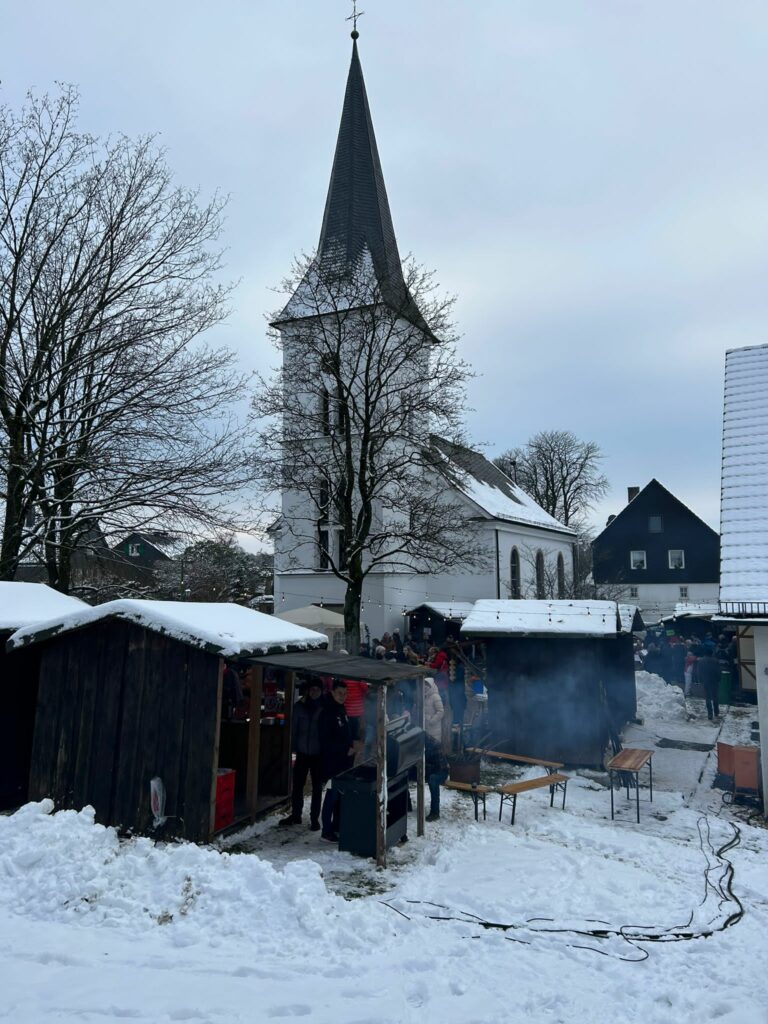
[{"x": 632, "y": 492}]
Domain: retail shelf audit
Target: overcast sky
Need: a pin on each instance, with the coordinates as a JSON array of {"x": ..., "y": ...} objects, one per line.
[{"x": 588, "y": 177}]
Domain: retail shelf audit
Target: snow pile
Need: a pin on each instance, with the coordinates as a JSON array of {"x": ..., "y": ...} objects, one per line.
[
  {"x": 658, "y": 700},
  {"x": 63, "y": 867}
]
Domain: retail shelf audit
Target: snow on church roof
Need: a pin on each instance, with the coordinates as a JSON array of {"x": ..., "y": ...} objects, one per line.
[
  {"x": 744, "y": 484},
  {"x": 228, "y": 629},
  {"x": 542, "y": 618},
  {"x": 24, "y": 604},
  {"x": 485, "y": 484}
]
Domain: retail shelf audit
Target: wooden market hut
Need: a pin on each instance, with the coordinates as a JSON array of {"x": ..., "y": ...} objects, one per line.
[
  {"x": 437, "y": 621},
  {"x": 22, "y": 605},
  {"x": 382, "y": 676},
  {"x": 559, "y": 681},
  {"x": 134, "y": 691}
]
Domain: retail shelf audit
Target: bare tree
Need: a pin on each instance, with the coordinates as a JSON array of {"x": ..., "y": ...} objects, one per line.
[
  {"x": 109, "y": 414},
  {"x": 346, "y": 441},
  {"x": 560, "y": 472}
]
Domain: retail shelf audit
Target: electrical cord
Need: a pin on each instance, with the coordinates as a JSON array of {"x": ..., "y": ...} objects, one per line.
[{"x": 718, "y": 886}]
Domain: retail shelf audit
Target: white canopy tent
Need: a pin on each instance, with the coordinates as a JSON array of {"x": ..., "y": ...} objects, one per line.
[{"x": 319, "y": 619}]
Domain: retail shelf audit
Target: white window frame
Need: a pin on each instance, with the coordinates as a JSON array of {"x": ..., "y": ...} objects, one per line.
[
  {"x": 683, "y": 593},
  {"x": 670, "y": 552},
  {"x": 634, "y": 567},
  {"x": 634, "y": 592},
  {"x": 134, "y": 550}
]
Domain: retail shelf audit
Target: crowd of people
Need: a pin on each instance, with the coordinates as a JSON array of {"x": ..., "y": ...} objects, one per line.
[
  {"x": 334, "y": 724},
  {"x": 691, "y": 663}
]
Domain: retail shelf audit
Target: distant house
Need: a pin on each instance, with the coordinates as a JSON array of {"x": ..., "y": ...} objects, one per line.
[
  {"x": 657, "y": 553},
  {"x": 147, "y": 550},
  {"x": 744, "y": 519}
]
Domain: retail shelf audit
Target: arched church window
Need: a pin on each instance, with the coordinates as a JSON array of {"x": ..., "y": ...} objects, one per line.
[
  {"x": 514, "y": 574},
  {"x": 540, "y": 589}
]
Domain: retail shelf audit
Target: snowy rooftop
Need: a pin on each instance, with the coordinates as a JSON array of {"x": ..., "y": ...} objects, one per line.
[
  {"x": 24, "y": 604},
  {"x": 447, "y": 609},
  {"x": 694, "y": 610},
  {"x": 229, "y": 629},
  {"x": 542, "y": 618},
  {"x": 490, "y": 489},
  {"x": 630, "y": 618},
  {"x": 744, "y": 487}
]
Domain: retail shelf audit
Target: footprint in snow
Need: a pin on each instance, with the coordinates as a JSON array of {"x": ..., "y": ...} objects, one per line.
[{"x": 291, "y": 1010}]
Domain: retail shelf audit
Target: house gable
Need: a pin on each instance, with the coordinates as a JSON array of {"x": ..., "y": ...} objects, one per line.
[{"x": 656, "y": 522}]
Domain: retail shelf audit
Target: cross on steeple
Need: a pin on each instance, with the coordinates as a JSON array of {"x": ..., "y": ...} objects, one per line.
[{"x": 353, "y": 18}]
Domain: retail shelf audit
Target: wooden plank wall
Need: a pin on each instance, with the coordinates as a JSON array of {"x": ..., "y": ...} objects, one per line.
[
  {"x": 118, "y": 705},
  {"x": 19, "y": 672}
]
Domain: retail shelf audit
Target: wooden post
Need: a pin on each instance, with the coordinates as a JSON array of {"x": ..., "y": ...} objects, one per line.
[
  {"x": 254, "y": 741},
  {"x": 420, "y": 772},
  {"x": 381, "y": 775},
  {"x": 290, "y": 686}
]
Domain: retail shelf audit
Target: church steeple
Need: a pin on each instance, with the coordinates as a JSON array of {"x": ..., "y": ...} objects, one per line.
[
  {"x": 357, "y": 210},
  {"x": 357, "y": 216}
]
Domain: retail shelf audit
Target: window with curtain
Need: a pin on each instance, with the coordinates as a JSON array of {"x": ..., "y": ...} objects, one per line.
[{"x": 560, "y": 577}]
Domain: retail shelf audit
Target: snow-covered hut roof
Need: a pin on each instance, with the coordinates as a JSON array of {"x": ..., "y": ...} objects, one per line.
[
  {"x": 24, "y": 604},
  {"x": 692, "y": 610},
  {"x": 227, "y": 629},
  {"x": 491, "y": 490},
  {"x": 542, "y": 618},
  {"x": 744, "y": 484},
  {"x": 446, "y": 609},
  {"x": 630, "y": 618}
]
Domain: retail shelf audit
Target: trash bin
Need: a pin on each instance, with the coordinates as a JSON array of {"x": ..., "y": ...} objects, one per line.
[{"x": 359, "y": 807}]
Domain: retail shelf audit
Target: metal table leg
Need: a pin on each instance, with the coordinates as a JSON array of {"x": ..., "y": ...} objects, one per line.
[
  {"x": 637, "y": 794},
  {"x": 650, "y": 766},
  {"x": 610, "y": 773}
]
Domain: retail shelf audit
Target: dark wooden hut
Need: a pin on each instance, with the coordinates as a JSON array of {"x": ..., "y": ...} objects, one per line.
[
  {"x": 135, "y": 691},
  {"x": 559, "y": 674},
  {"x": 437, "y": 621},
  {"x": 21, "y": 605}
]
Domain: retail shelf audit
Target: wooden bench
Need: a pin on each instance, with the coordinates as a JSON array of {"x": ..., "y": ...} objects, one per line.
[
  {"x": 476, "y": 790},
  {"x": 510, "y": 791},
  {"x": 551, "y": 766}
]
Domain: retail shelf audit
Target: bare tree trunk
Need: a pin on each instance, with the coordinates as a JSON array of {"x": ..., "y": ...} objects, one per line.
[{"x": 352, "y": 603}]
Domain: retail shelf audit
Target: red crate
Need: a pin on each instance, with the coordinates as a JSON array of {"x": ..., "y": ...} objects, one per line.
[{"x": 224, "y": 812}]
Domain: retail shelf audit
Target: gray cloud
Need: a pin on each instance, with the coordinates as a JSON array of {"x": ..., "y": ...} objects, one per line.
[{"x": 588, "y": 178}]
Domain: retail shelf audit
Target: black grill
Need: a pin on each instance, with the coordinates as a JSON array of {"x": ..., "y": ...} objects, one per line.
[
  {"x": 357, "y": 826},
  {"x": 405, "y": 746}
]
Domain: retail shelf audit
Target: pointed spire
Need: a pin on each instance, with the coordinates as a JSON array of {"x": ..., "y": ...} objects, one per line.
[{"x": 357, "y": 215}]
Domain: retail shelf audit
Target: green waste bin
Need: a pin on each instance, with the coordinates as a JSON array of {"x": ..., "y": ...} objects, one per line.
[{"x": 724, "y": 690}]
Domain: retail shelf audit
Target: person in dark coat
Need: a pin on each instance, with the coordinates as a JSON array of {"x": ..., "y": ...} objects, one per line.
[
  {"x": 336, "y": 753},
  {"x": 436, "y": 771},
  {"x": 306, "y": 745},
  {"x": 707, "y": 671}
]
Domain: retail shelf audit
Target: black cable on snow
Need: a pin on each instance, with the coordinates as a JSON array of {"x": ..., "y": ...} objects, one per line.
[{"x": 720, "y": 886}]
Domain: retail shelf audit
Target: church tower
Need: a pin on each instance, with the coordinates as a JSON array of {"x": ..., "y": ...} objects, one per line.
[{"x": 350, "y": 316}]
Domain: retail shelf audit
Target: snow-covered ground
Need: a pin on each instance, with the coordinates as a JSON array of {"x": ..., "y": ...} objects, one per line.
[{"x": 594, "y": 920}]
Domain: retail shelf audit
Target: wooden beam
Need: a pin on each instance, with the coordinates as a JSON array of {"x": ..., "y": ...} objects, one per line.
[
  {"x": 420, "y": 772},
  {"x": 381, "y": 776},
  {"x": 254, "y": 741}
]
